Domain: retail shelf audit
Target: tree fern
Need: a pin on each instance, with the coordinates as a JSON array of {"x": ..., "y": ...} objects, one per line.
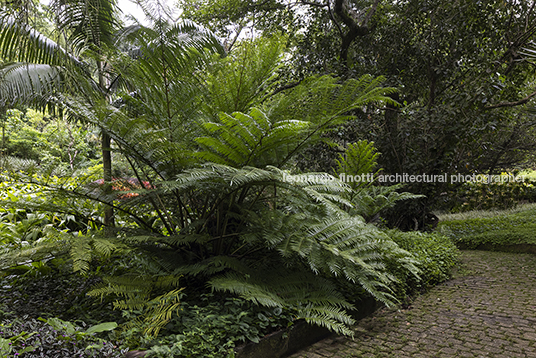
[
  {"x": 286, "y": 124},
  {"x": 358, "y": 162},
  {"x": 357, "y": 168},
  {"x": 265, "y": 234},
  {"x": 219, "y": 208}
]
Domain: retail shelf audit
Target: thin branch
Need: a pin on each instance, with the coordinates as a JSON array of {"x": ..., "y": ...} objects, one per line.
[
  {"x": 334, "y": 19},
  {"x": 238, "y": 32},
  {"x": 314, "y": 4},
  {"x": 370, "y": 13},
  {"x": 285, "y": 87},
  {"x": 528, "y": 15},
  {"x": 513, "y": 104}
]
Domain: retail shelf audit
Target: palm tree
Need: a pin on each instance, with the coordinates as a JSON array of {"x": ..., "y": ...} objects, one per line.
[{"x": 41, "y": 67}]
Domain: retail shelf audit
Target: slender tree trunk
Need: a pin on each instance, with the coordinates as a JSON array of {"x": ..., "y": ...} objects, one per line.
[
  {"x": 106, "y": 142},
  {"x": 391, "y": 124}
]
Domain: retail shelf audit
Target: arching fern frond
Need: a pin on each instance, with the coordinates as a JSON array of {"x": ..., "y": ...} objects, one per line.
[
  {"x": 249, "y": 139},
  {"x": 137, "y": 292},
  {"x": 314, "y": 299}
]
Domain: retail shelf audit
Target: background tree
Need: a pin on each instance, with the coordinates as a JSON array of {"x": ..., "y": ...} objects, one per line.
[
  {"x": 453, "y": 62},
  {"x": 345, "y": 20},
  {"x": 459, "y": 67}
]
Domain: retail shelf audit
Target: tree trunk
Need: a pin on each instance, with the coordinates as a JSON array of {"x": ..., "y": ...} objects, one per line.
[
  {"x": 391, "y": 124},
  {"x": 3, "y": 117},
  {"x": 107, "y": 168},
  {"x": 106, "y": 144},
  {"x": 343, "y": 11}
]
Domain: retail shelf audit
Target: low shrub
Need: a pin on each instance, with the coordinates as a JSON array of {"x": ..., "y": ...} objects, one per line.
[
  {"x": 212, "y": 327},
  {"x": 484, "y": 196},
  {"x": 500, "y": 239},
  {"x": 436, "y": 255}
]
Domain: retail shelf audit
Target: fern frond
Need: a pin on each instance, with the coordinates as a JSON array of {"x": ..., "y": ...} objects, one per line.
[
  {"x": 161, "y": 310},
  {"x": 249, "y": 139},
  {"x": 252, "y": 291},
  {"x": 315, "y": 299},
  {"x": 332, "y": 318},
  {"x": 360, "y": 159},
  {"x": 81, "y": 255},
  {"x": 372, "y": 200}
]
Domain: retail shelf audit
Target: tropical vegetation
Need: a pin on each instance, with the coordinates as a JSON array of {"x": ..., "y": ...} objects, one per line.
[{"x": 216, "y": 208}]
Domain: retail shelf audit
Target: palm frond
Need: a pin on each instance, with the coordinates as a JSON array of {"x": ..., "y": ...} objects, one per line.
[
  {"x": 20, "y": 42},
  {"x": 24, "y": 83},
  {"x": 91, "y": 24}
]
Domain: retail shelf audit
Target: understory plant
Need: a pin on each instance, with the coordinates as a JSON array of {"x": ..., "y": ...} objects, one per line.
[
  {"x": 358, "y": 168},
  {"x": 214, "y": 325},
  {"x": 436, "y": 255},
  {"x": 27, "y": 337}
]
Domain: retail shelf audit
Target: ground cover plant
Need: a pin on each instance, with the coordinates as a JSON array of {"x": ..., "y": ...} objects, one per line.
[
  {"x": 495, "y": 230},
  {"x": 28, "y": 337},
  {"x": 436, "y": 256}
]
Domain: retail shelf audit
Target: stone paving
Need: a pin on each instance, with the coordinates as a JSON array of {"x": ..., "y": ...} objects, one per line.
[{"x": 488, "y": 309}]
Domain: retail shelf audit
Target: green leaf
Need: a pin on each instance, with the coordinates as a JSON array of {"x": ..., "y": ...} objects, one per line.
[{"x": 102, "y": 327}]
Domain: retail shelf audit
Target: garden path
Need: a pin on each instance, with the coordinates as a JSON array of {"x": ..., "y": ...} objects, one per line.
[{"x": 488, "y": 309}]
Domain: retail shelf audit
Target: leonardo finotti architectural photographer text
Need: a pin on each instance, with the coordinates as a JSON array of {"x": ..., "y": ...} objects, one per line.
[{"x": 429, "y": 178}]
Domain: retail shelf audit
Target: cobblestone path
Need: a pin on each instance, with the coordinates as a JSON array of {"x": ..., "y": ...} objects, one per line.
[{"x": 487, "y": 310}]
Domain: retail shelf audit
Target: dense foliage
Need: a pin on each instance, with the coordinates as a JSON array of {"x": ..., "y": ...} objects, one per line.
[
  {"x": 219, "y": 212},
  {"x": 47, "y": 140},
  {"x": 436, "y": 255},
  {"x": 28, "y": 337},
  {"x": 485, "y": 196}
]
